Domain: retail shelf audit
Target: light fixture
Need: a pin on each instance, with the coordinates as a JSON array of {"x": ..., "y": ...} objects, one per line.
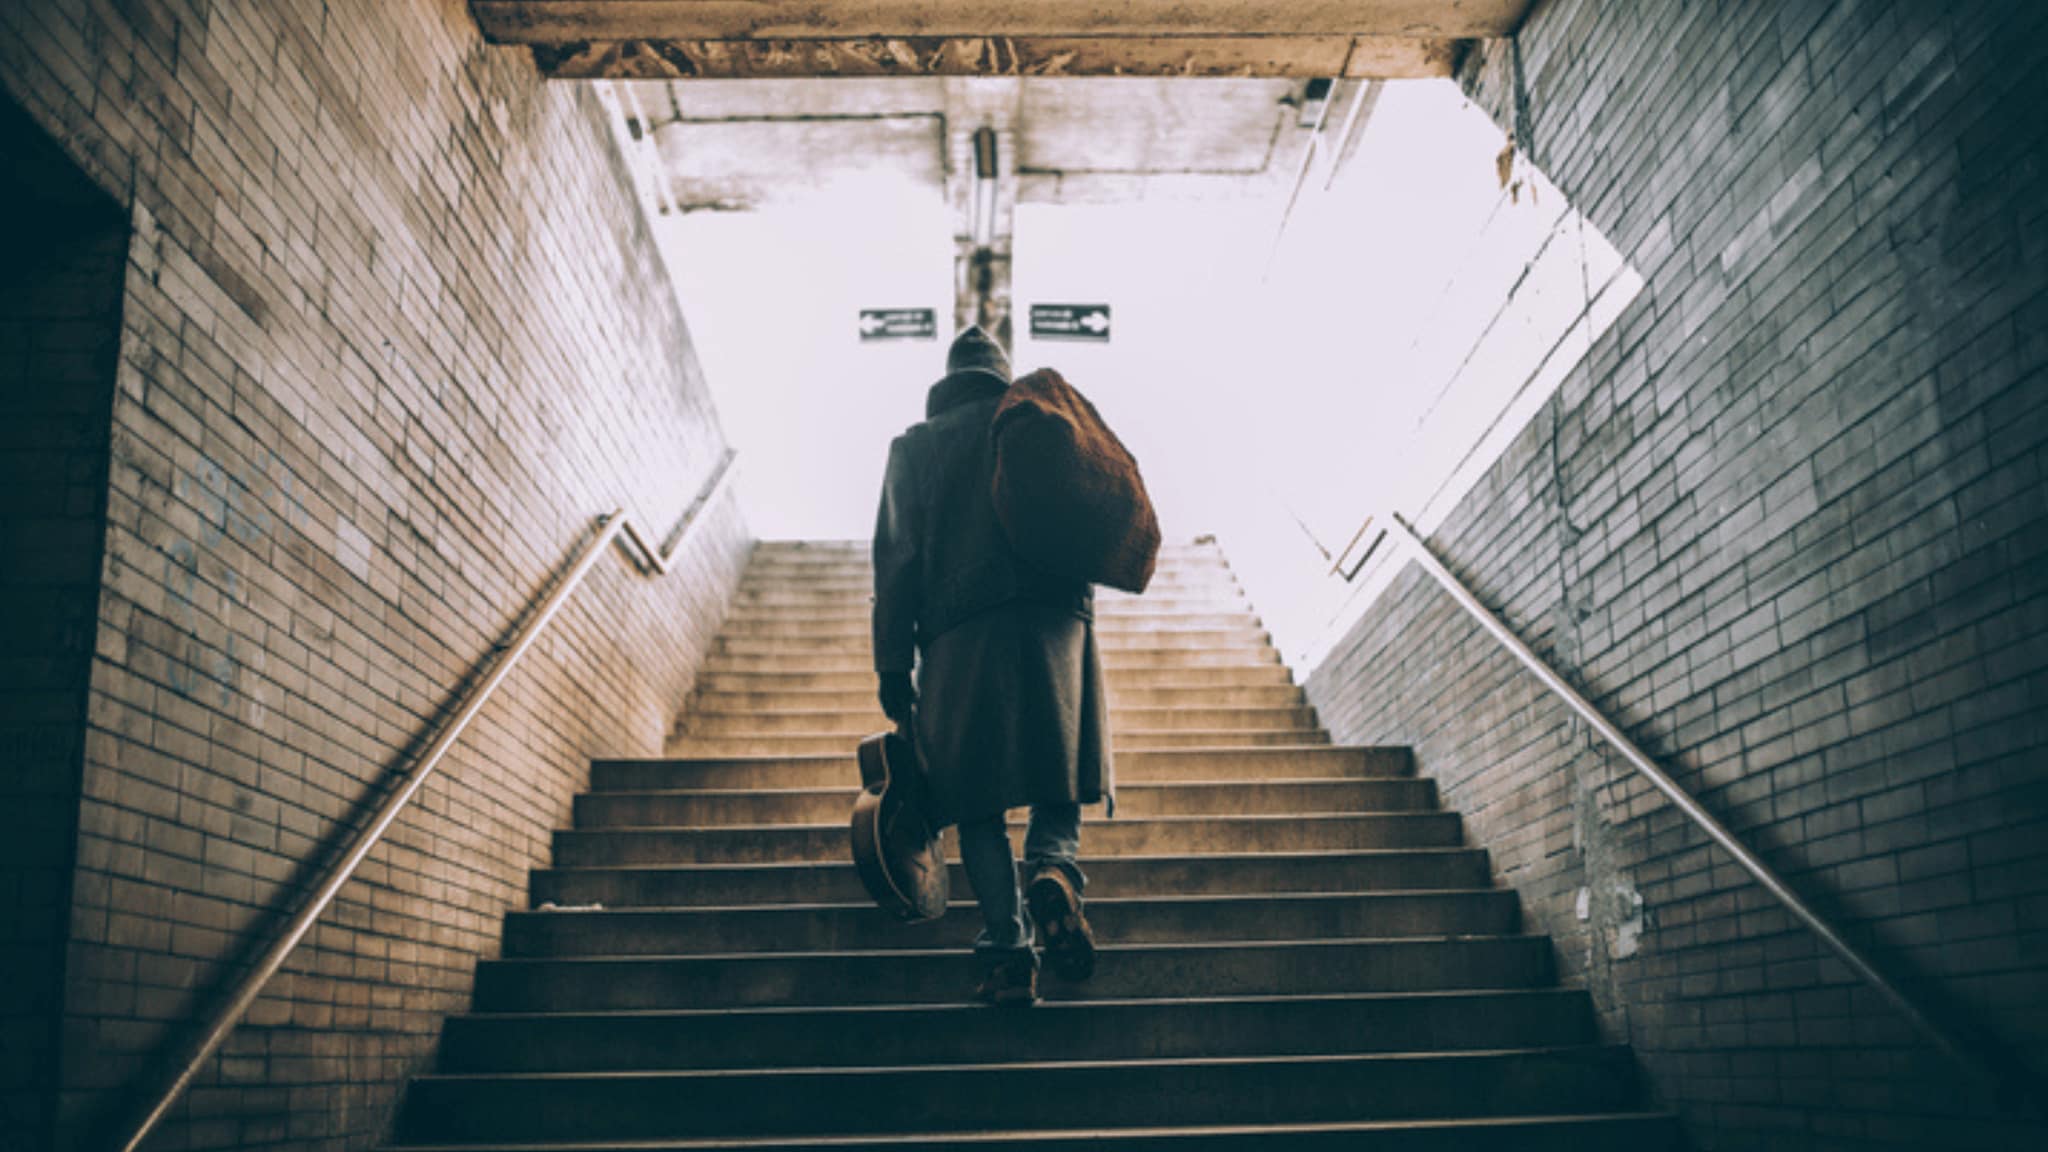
[{"x": 984, "y": 208}]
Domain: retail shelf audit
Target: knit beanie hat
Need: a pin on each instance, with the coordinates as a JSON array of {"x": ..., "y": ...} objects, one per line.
[{"x": 976, "y": 351}]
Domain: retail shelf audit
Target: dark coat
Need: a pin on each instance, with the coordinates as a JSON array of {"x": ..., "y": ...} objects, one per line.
[{"x": 1011, "y": 704}]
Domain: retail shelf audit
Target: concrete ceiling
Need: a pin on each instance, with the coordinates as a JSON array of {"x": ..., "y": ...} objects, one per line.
[
  {"x": 734, "y": 145},
  {"x": 661, "y": 39},
  {"x": 740, "y": 104}
]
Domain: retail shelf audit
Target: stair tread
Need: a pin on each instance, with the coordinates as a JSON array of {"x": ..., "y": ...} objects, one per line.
[
  {"x": 1260, "y": 751},
  {"x": 853, "y": 787},
  {"x": 1011, "y": 1068},
  {"x": 969, "y": 1009},
  {"x": 1121, "y": 752},
  {"x": 884, "y": 1140},
  {"x": 838, "y": 714},
  {"x": 1094, "y": 902},
  {"x": 838, "y": 826},
  {"x": 1085, "y": 859},
  {"x": 898, "y": 955},
  {"x": 944, "y": 973},
  {"x": 875, "y": 1140}
]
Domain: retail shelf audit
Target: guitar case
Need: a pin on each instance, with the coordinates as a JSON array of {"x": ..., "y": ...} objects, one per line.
[{"x": 896, "y": 850}]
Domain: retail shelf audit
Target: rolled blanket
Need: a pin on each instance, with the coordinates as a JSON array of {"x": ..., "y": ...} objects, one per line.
[{"x": 1067, "y": 491}]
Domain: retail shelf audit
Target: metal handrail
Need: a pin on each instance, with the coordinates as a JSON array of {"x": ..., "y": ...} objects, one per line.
[
  {"x": 613, "y": 526},
  {"x": 1947, "y": 1040}
]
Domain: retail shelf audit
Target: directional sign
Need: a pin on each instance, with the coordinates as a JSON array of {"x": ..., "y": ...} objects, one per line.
[
  {"x": 898, "y": 324},
  {"x": 1070, "y": 322}
]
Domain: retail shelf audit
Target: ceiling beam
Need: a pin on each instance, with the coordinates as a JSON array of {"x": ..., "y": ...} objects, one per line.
[
  {"x": 1296, "y": 57},
  {"x": 561, "y": 21},
  {"x": 741, "y": 39}
]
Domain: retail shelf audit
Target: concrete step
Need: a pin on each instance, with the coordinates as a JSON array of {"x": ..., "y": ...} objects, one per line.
[
  {"x": 861, "y": 605},
  {"x": 961, "y": 1034},
  {"x": 1167, "y": 765},
  {"x": 1105, "y": 1095},
  {"x": 776, "y": 676},
  {"x": 1166, "y": 561},
  {"x": 1121, "y": 740},
  {"x": 1297, "y": 949},
  {"x": 947, "y": 976},
  {"x": 720, "y": 885},
  {"x": 859, "y": 625},
  {"x": 1217, "y": 738},
  {"x": 1120, "y": 594},
  {"x": 1155, "y": 836},
  {"x": 863, "y": 699},
  {"x": 861, "y": 587},
  {"x": 1588, "y": 1132},
  {"x": 858, "y": 551},
  {"x": 849, "y": 569},
  {"x": 1113, "y": 659},
  {"x": 1116, "y": 920},
  {"x": 1231, "y": 601},
  {"x": 1179, "y": 584},
  {"x": 869, "y": 718},
  {"x": 1187, "y": 546},
  {"x": 1123, "y": 696},
  {"x": 700, "y": 808},
  {"x": 859, "y": 616},
  {"x": 1246, "y": 640}
]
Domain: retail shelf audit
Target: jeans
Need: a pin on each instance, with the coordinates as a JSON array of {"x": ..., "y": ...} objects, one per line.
[{"x": 1052, "y": 841}]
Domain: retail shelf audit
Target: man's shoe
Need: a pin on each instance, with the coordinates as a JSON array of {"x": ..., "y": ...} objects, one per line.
[
  {"x": 1056, "y": 909},
  {"x": 1010, "y": 980}
]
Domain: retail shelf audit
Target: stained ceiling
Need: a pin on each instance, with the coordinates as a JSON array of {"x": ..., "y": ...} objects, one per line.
[{"x": 657, "y": 39}]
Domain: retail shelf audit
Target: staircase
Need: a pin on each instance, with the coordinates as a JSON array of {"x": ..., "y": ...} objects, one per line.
[{"x": 1298, "y": 949}]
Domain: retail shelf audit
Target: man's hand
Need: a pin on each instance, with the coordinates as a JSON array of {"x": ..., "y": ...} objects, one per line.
[{"x": 899, "y": 697}]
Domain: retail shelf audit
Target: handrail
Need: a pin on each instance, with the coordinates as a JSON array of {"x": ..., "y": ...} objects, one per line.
[
  {"x": 612, "y": 527},
  {"x": 1943, "y": 1038}
]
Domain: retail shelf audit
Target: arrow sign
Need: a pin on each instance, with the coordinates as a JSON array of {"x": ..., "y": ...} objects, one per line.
[
  {"x": 1070, "y": 322},
  {"x": 898, "y": 324}
]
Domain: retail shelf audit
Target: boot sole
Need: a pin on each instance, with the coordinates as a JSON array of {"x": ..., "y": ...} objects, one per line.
[{"x": 1069, "y": 945}]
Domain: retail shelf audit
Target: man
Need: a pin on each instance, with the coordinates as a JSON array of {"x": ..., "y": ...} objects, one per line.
[{"x": 1008, "y": 704}]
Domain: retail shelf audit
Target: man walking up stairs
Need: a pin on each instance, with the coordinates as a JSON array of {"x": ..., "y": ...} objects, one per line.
[{"x": 1296, "y": 949}]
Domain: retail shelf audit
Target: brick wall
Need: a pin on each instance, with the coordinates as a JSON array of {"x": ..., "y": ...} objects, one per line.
[
  {"x": 1786, "y": 524},
  {"x": 60, "y": 326},
  {"x": 393, "y": 331}
]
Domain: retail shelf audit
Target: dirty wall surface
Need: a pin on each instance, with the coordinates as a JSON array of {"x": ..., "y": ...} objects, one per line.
[
  {"x": 392, "y": 334},
  {"x": 1785, "y": 525}
]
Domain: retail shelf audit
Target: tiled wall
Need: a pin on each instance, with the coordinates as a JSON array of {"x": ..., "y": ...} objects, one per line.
[
  {"x": 393, "y": 333},
  {"x": 1787, "y": 526}
]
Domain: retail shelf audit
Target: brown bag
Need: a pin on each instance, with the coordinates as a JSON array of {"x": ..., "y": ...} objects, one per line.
[{"x": 1066, "y": 489}]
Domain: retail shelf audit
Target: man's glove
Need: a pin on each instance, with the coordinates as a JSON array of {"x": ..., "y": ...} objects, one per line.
[{"x": 899, "y": 697}]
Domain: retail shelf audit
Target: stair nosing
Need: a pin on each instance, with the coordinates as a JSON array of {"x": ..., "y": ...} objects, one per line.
[
  {"x": 1127, "y": 785},
  {"x": 1037, "y": 1134},
  {"x": 903, "y": 954},
  {"x": 1258, "y": 817},
  {"x": 1119, "y": 751},
  {"x": 840, "y": 757},
  {"x": 1163, "y": 1062},
  {"x": 972, "y": 1009},
  {"x": 1085, "y": 859},
  {"x": 1024, "y": 1135},
  {"x": 1297, "y": 896}
]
